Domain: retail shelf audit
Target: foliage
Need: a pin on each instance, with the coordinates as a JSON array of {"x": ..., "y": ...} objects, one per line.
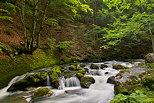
[
  {"x": 135, "y": 97},
  {"x": 65, "y": 45}
]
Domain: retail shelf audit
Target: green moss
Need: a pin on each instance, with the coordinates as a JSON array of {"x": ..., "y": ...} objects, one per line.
[
  {"x": 43, "y": 91},
  {"x": 67, "y": 60},
  {"x": 147, "y": 65},
  {"x": 118, "y": 66},
  {"x": 87, "y": 81},
  {"x": 54, "y": 79},
  {"x": 55, "y": 70},
  {"x": 33, "y": 80},
  {"x": 22, "y": 64},
  {"x": 72, "y": 67}
]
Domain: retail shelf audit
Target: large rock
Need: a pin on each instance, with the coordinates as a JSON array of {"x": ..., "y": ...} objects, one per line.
[
  {"x": 86, "y": 81},
  {"x": 129, "y": 80},
  {"x": 43, "y": 91},
  {"x": 149, "y": 58},
  {"x": 111, "y": 80},
  {"x": 93, "y": 66},
  {"x": 34, "y": 80},
  {"x": 54, "y": 75},
  {"x": 118, "y": 66}
]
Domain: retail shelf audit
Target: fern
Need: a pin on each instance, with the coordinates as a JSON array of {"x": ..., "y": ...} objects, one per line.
[
  {"x": 3, "y": 11},
  {"x": 6, "y": 18}
]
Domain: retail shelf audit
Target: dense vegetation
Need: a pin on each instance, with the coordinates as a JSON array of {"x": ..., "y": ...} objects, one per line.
[{"x": 41, "y": 33}]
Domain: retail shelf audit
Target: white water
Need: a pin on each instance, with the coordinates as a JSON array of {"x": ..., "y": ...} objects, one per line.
[
  {"x": 70, "y": 91},
  {"x": 4, "y": 93},
  {"x": 69, "y": 82}
]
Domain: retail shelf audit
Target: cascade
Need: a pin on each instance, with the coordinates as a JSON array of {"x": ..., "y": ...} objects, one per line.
[
  {"x": 48, "y": 80},
  {"x": 69, "y": 82}
]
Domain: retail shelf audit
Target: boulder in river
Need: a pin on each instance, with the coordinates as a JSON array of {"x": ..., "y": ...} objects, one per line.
[
  {"x": 54, "y": 75},
  {"x": 149, "y": 58},
  {"x": 103, "y": 66},
  {"x": 111, "y": 80},
  {"x": 43, "y": 91},
  {"x": 129, "y": 80},
  {"x": 86, "y": 81},
  {"x": 118, "y": 66},
  {"x": 94, "y": 66},
  {"x": 33, "y": 80}
]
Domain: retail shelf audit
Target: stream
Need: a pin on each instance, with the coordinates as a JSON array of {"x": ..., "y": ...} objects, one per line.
[{"x": 70, "y": 90}]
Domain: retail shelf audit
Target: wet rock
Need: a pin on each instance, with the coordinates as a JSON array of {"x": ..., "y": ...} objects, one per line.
[
  {"x": 129, "y": 80},
  {"x": 111, "y": 80},
  {"x": 54, "y": 75},
  {"x": 149, "y": 58},
  {"x": 106, "y": 73},
  {"x": 72, "y": 67},
  {"x": 82, "y": 65},
  {"x": 86, "y": 81},
  {"x": 79, "y": 75},
  {"x": 93, "y": 66},
  {"x": 33, "y": 80},
  {"x": 43, "y": 91},
  {"x": 103, "y": 66},
  {"x": 118, "y": 66}
]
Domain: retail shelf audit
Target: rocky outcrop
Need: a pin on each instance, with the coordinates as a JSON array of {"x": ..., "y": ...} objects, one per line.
[
  {"x": 33, "y": 80},
  {"x": 86, "y": 81},
  {"x": 54, "y": 75},
  {"x": 149, "y": 58},
  {"x": 128, "y": 80}
]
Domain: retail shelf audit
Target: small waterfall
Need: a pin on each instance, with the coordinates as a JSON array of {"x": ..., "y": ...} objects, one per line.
[
  {"x": 69, "y": 82},
  {"x": 48, "y": 80},
  {"x": 3, "y": 92}
]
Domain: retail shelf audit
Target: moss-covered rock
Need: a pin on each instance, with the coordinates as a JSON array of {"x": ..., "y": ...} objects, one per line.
[
  {"x": 118, "y": 66},
  {"x": 149, "y": 58},
  {"x": 86, "y": 81},
  {"x": 129, "y": 80},
  {"x": 54, "y": 75},
  {"x": 93, "y": 66},
  {"x": 56, "y": 69},
  {"x": 33, "y": 80},
  {"x": 103, "y": 66},
  {"x": 43, "y": 91},
  {"x": 148, "y": 79},
  {"x": 79, "y": 75},
  {"x": 82, "y": 65},
  {"x": 72, "y": 67}
]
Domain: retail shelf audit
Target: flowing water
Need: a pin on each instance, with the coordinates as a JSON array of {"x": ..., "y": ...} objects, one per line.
[{"x": 70, "y": 90}]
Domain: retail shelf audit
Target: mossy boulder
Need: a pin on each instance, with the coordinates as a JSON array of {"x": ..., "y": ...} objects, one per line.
[
  {"x": 149, "y": 58},
  {"x": 86, "y": 81},
  {"x": 54, "y": 75},
  {"x": 129, "y": 80},
  {"x": 103, "y": 66},
  {"x": 33, "y": 80},
  {"x": 82, "y": 65},
  {"x": 79, "y": 75},
  {"x": 93, "y": 66},
  {"x": 43, "y": 91},
  {"x": 118, "y": 66},
  {"x": 148, "y": 79},
  {"x": 72, "y": 67}
]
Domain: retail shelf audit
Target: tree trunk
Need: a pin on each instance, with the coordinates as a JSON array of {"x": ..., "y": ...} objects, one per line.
[{"x": 152, "y": 38}]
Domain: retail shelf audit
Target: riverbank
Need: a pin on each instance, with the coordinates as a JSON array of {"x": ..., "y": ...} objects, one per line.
[{"x": 21, "y": 64}]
